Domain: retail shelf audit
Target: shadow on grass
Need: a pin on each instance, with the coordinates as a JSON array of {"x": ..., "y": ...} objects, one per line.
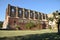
[{"x": 45, "y": 36}]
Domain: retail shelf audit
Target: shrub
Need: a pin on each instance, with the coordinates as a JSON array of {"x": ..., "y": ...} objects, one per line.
[
  {"x": 1, "y": 23},
  {"x": 29, "y": 25},
  {"x": 17, "y": 27}
]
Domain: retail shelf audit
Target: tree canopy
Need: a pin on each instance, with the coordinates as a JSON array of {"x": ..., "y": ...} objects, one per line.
[{"x": 1, "y": 23}]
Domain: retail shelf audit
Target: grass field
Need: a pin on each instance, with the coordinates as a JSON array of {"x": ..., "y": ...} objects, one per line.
[
  {"x": 8, "y": 33},
  {"x": 45, "y": 34}
]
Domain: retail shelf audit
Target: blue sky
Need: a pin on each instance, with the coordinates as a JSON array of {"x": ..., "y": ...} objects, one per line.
[{"x": 45, "y": 6}]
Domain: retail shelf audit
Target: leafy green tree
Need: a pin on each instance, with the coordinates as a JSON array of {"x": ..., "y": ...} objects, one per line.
[
  {"x": 55, "y": 14},
  {"x": 50, "y": 19},
  {"x": 17, "y": 27},
  {"x": 39, "y": 24},
  {"x": 1, "y": 23},
  {"x": 29, "y": 25}
]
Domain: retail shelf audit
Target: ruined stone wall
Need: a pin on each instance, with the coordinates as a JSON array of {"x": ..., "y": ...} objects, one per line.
[{"x": 19, "y": 15}]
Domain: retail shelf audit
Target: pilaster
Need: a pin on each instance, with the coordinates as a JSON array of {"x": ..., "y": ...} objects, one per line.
[
  {"x": 29, "y": 13},
  {"x": 42, "y": 15},
  {"x": 16, "y": 12},
  {"x": 23, "y": 13},
  {"x": 34, "y": 15},
  {"x": 38, "y": 15},
  {"x": 9, "y": 9}
]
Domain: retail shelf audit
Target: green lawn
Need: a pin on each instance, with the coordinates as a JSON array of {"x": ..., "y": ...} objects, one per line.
[
  {"x": 45, "y": 34},
  {"x": 8, "y": 33}
]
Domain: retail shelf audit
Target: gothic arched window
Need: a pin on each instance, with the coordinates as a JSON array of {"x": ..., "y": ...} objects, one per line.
[
  {"x": 43, "y": 16},
  {"x": 12, "y": 14},
  {"x": 40, "y": 17},
  {"x": 26, "y": 14},
  {"x": 12, "y": 10},
  {"x": 31, "y": 15},
  {"x": 20, "y": 12},
  {"x": 36, "y": 15}
]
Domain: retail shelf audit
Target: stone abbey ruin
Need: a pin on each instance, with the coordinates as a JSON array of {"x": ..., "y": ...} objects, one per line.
[{"x": 16, "y": 16}]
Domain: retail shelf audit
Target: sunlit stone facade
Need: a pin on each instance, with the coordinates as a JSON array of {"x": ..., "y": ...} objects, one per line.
[{"x": 17, "y": 15}]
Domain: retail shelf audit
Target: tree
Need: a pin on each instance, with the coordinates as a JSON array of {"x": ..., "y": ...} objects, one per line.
[
  {"x": 55, "y": 14},
  {"x": 1, "y": 23},
  {"x": 39, "y": 24},
  {"x": 17, "y": 27},
  {"x": 51, "y": 19},
  {"x": 29, "y": 25}
]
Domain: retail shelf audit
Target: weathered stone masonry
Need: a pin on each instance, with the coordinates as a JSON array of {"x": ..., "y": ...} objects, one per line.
[{"x": 20, "y": 16}]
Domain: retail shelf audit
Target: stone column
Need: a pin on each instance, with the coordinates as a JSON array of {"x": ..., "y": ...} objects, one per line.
[
  {"x": 42, "y": 16},
  {"x": 16, "y": 12},
  {"x": 29, "y": 13},
  {"x": 45, "y": 16},
  {"x": 38, "y": 15},
  {"x": 34, "y": 15},
  {"x": 9, "y": 9},
  {"x": 23, "y": 13}
]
